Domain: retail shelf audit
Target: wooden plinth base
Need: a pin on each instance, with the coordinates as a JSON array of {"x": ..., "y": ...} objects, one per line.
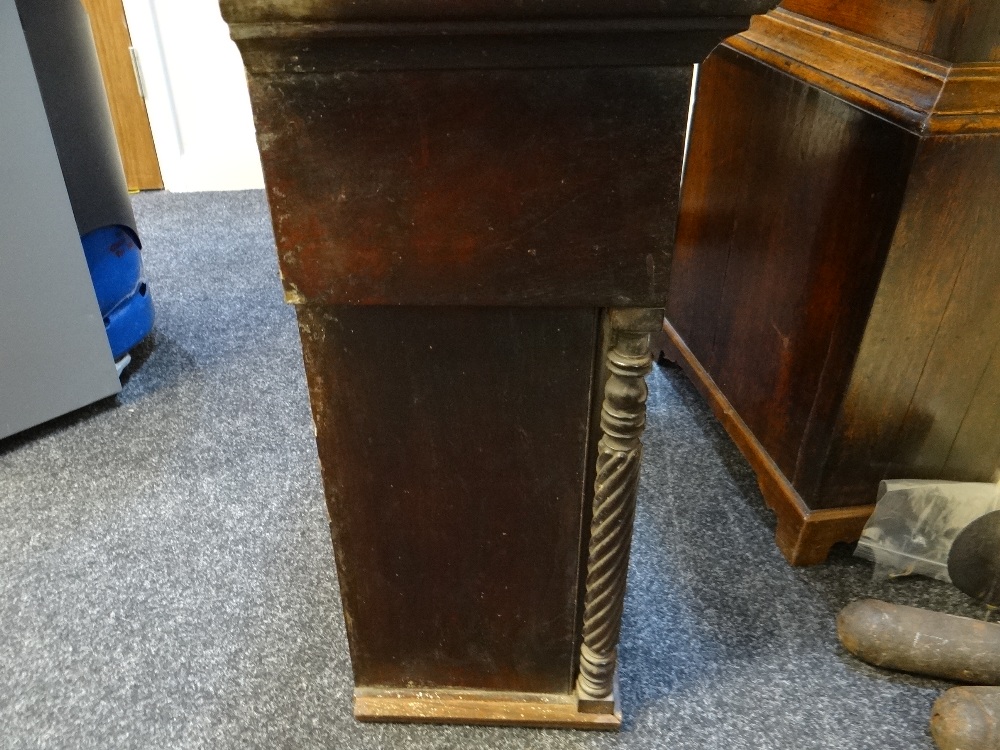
[
  {"x": 804, "y": 536},
  {"x": 479, "y": 707}
]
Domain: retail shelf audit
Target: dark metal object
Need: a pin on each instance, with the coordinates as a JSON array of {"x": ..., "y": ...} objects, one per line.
[
  {"x": 920, "y": 641},
  {"x": 974, "y": 560},
  {"x": 967, "y": 718}
]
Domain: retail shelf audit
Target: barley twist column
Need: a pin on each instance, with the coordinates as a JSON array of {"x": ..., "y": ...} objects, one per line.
[{"x": 623, "y": 418}]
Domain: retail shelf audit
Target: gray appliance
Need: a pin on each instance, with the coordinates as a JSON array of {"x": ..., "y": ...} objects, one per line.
[{"x": 54, "y": 353}]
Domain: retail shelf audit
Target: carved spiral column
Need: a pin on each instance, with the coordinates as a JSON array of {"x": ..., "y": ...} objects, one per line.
[{"x": 623, "y": 419}]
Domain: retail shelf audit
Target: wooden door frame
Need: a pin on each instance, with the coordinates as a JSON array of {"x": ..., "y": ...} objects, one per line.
[{"x": 122, "y": 80}]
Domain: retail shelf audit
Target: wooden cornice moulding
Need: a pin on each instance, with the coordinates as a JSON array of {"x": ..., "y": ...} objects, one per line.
[
  {"x": 311, "y": 46},
  {"x": 241, "y": 11},
  {"x": 923, "y": 94},
  {"x": 318, "y": 36},
  {"x": 970, "y": 100}
]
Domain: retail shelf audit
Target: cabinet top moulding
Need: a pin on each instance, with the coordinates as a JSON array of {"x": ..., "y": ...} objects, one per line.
[
  {"x": 256, "y": 11},
  {"x": 922, "y": 93},
  {"x": 281, "y": 36}
]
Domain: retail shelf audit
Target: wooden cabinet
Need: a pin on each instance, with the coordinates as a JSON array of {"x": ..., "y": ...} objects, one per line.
[
  {"x": 474, "y": 205},
  {"x": 835, "y": 280}
]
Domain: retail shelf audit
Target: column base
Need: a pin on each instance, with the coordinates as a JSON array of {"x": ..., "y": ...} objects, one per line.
[{"x": 607, "y": 705}]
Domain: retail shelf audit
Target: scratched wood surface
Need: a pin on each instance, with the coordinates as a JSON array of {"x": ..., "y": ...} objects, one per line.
[
  {"x": 456, "y": 487},
  {"x": 925, "y": 392},
  {"x": 780, "y": 249},
  {"x": 479, "y": 707},
  {"x": 474, "y": 187}
]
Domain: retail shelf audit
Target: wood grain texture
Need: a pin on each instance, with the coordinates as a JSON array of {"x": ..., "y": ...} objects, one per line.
[
  {"x": 952, "y": 30},
  {"x": 477, "y": 187},
  {"x": 477, "y": 707},
  {"x": 924, "y": 396},
  {"x": 514, "y": 45},
  {"x": 468, "y": 185},
  {"x": 128, "y": 108},
  {"x": 860, "y": 231},
  {"x": 456, "y": 488},
  {"x": 912, "y": 24},
  {"x": 796, "y": 230},
  {"x": 804, "y": 536}
]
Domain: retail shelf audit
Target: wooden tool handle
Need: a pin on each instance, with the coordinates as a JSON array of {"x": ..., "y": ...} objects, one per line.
[
  {"x": 967, "y": 719},
  {"x": 921, "y": 641}
]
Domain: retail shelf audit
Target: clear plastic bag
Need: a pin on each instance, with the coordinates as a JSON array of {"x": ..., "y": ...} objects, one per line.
[{"x": 916, "y": 521}]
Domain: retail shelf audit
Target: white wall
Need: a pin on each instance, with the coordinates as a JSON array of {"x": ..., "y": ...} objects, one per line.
[{"x": 196, "y": 95}]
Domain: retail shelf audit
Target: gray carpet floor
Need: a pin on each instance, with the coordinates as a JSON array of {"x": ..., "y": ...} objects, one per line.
[{"x": 167, "y": 581}]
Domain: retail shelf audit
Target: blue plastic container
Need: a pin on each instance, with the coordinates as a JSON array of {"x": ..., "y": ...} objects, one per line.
[{"x": 115, "y": 264}]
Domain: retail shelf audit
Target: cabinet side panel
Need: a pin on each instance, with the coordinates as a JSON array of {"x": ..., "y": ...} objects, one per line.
[
  {"x": 801, "y": 197},
  {"x": 453, "y": 443},
  {"x": 906, "y": 23},
  {"x": 925, "y": 397},
  {"x": 716, "y": 182},
  {"x": 954, "y": 30}
]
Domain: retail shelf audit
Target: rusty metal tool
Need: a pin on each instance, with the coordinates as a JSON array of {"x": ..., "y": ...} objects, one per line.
[
  {"x": 967, "y": 718},
  {"x": 920, "y": 641}
]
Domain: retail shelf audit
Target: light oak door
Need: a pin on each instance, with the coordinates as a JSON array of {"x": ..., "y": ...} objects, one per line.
[{"x": 128, "y": 106}]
